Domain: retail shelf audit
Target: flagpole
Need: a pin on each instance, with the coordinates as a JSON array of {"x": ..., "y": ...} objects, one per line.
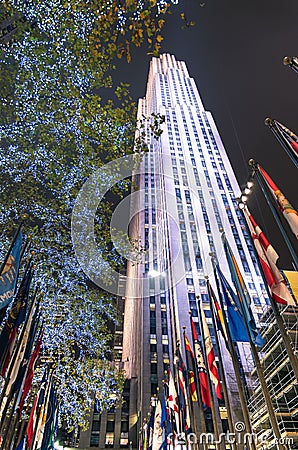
[
  {"x": 200, "y": 401},
  {"x": 265, "y": 390},
  {"x": 213, "y": 410},
  {"x": 256, "y": 172},
  {"x": 197, "y": 389},
  {"x": 275, "y": 309},
  {"x": 235, "y": 362},
  {"x": 284, "y": 143},
  {"x": 221, "y": 366},
  {"x": 178, "y": 390},
  {"x": 292, "y": 62}
]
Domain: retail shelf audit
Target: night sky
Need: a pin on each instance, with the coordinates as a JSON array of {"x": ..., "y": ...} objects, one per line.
[{"x": 234, "y": 52}]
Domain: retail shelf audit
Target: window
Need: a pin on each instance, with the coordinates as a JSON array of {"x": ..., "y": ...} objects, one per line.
[{"x": 189, "y": 281}]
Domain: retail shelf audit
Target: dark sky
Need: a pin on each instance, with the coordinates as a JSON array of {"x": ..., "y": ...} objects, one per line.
[{"x": 234, "y": 52}]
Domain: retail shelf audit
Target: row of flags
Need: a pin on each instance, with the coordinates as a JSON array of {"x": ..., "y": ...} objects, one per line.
[
  {"x": 21, "y": 339},
  {"x": 236, "y": 323}
]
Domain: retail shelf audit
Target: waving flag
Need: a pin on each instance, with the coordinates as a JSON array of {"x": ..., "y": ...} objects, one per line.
[
  {"x": 268, "y": 257},
  {"x": 204, "y": 385},
  {"x": 10, "y": 271},
  {"x": 289, "y": 213},
  {"x": 243, "y": 295}
]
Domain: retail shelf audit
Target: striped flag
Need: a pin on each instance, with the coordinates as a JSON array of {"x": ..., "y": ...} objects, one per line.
[
  {"x": 286, "y": 208},
  {"x": 204, "y": 385},
  {"x": 213, "y": 371},
  {"x": 268, "y": 257}
]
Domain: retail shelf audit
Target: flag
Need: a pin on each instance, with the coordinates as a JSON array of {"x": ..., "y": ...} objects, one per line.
[
  {"x": 30, "y": 373},
  {"x": 217, "y": 314},
  {"x": 292, "y": 278},
  {"x": 16, "y": 317},
  {"x": 183, "y": 400},
  {"x": 214, "y": 376},
  {"x": 289, "y": 138},
  {"x": 50, "y": 421},
  {"x": 157, "y": 430},
  {"x": 34, "y": 418},
  {"x": 41, "y": 424},
  {"x": 172, "y": 403},
  {"x": 190, "y": 362},
  {"x": 268, "y": 257},
  {"x": 22, "y": 444},
  {"x": 150, "y": 429},
  {"x": 243, "y": 295},
  {"x": 235, "y": 320},
  {"x": 9, "y": 274},
  {"x": 286, "y": 208},
  {"x": 204, "y": 386}
]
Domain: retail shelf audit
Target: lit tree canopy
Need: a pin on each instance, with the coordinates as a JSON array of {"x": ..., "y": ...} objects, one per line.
[{"x": 55, "y": 130}]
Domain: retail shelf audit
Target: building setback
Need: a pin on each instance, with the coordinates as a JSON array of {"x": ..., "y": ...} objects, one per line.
[{"x": 185, "y": 198}]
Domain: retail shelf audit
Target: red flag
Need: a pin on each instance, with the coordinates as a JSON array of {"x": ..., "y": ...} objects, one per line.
[
  {"x": 287, "y": 209},
  {"x": 30, "y": 373},
  {"x": 31, "y": 423},
  {"x": 214, "y": 376},
  {"x": 204, "y": 386},
  {"x": 268, "y": 257}
]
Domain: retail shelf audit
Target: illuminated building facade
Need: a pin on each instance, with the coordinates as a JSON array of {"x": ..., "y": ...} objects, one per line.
[{"x": 186, "y": 197}]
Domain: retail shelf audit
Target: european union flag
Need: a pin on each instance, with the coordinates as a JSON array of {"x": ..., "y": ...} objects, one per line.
[{"x": 9, "y": 274}]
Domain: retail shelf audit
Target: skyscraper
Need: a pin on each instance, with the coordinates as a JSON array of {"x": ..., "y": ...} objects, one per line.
[{"x": 185, "y": 198}]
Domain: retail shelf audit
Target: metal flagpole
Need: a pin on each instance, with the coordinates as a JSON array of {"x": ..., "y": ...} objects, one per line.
[
  {"x": 274, "y": 212},
  {"x": 235, "y": 362},
  {"x": 260, "y": 373},
  {"x": 292, "y": 62},
  {"x": 283, "y": 142},
  {"x": 200, "y": 401},
  {"x": 193, "y": 409},
  {"x": 275, "y": 309},
  {"x": 221, "y": 366},
  {"x": 213, "y": 410}
]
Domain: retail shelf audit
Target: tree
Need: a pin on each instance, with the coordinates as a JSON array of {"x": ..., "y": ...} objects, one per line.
[{"x": 55, "y": 131}]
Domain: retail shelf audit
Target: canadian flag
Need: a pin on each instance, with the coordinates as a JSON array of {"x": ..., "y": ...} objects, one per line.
[{"x": 268, "y": 257}]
